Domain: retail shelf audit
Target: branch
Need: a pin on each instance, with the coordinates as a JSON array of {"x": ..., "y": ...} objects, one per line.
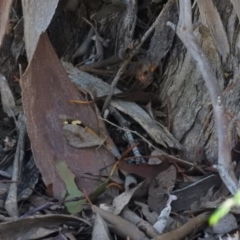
[{"x": 184, "y": 32}]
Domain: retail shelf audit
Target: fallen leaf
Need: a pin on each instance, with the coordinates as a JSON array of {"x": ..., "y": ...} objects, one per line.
[
  {"x": 236, "y": 6},
  {"x": 15, "y": 229},
  {"x": 106, "y": 10},
  {"x": 137, "y": 97},
  {"x": 7, "y": 99},
  {"x": 120, "y": 226},
  {"x": 159, "y": 187},
  {"x": 143, "y": 170},
  {"x": 225, "y": 225},
  {"x": 123, "y": 199},
  {"x": 46, "y": 91},
  {"x": 5, "y": 6},
  {"x": 42, "y": 233},
  {"x": 72, "y": 190},
  {"x": 211, "y": 18},
  {"x": 100, "y": 229},
  {"x": 37, "y": 16}
]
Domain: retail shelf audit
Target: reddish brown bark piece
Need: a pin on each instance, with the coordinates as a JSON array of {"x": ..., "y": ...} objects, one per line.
[{"x": 46, "y": 91}]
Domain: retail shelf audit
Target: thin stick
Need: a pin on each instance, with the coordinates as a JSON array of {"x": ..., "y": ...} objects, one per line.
[
  {"x": 11, "y": 202},
  {"x": 184, "y": 31},
  {"x": 187, "y": 165}
]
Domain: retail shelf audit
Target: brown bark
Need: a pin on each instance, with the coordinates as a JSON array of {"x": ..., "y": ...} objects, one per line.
[{"x": 183, "y": 85}]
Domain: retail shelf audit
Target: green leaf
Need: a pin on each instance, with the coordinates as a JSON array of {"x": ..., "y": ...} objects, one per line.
[{"x": 72, "y": 190}]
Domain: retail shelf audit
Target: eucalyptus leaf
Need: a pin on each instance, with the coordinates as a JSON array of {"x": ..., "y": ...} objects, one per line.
[{"x": 72, "y": 190}]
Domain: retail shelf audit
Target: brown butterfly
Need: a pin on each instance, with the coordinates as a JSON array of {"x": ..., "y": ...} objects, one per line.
[{"x": 79, "y": 135}]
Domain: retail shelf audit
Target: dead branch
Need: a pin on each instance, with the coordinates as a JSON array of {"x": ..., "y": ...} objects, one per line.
[
  {"x": 185, "y": 33},
  {"x": 195, "y": 224},
  {"x": 139, "y": 222}
]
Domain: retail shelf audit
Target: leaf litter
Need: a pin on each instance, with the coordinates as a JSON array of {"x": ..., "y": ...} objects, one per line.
[{"x": 91, "y": 156}]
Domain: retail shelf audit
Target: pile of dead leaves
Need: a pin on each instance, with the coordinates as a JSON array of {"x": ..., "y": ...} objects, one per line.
[{"x": 86, "y": 146}]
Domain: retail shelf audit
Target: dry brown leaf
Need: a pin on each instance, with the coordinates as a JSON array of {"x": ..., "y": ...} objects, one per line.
[
  {"x": 5, "y": 6},
  {"x": 37, "y": 16},
  {"x": 7, "y": 99},
  {"x": 46, "y": 91},
  {"x": 211, "y": 18}
]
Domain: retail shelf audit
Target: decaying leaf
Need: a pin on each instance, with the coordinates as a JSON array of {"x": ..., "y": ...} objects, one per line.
[
  {"x": 5, "y": 6},
  {"x": 37, "y": 16},
  {"x": 236, "y": 6},
  {"x": 106, "y": 10},
  {"x": 7, "y": 99},
  {"x": 143, "y": 170},
  {"x": 136, "y": 96},
  {"x": 100, "y": 229},
  {"x": 15, "y": 229},
  {"x": 225, "y": 225},
  {"x": 120, "y": 226},
  {"x": 211, "y": 18},
  {"x": 72, "y": 190},
  {"x": 46, "y": 91},
  {"x": 123, "y": 199},
  {"x": 159, "y": 187}
]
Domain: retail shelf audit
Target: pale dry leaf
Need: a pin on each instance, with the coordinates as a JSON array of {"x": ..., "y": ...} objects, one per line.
[
  {"x": 236, "y": 6},
  {"x": 7, "y": 98},
  {"x": 5, "y": 6},
  {"x": 86, "y": 81},
  {"x": 100, "y": 229},
  {"x": 226, "y": 224},
  {"x": 37, "y": 16},
  {"x": 211, "y": 18},
  {"x": 123, "y": 199},
  {"x": 42, "y": 232}
]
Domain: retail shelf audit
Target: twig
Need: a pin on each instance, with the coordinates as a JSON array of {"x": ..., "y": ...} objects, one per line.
[
  {"x": 11, "y": 202},
  {"x": 128, "y": 135},
  {"x": 128, "y": 60},
  {"x": 124, "y": 129},
  {"x": 99, "y": 47},
  {"x": 184, "y": 31},
  {"x": 48, "y": 205},
  {"x": 139, "y": 222},
  {"x": 195, "y": 223},
  {"x": 185, "y": 164},
  {"x": 120, "y": 226}
]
